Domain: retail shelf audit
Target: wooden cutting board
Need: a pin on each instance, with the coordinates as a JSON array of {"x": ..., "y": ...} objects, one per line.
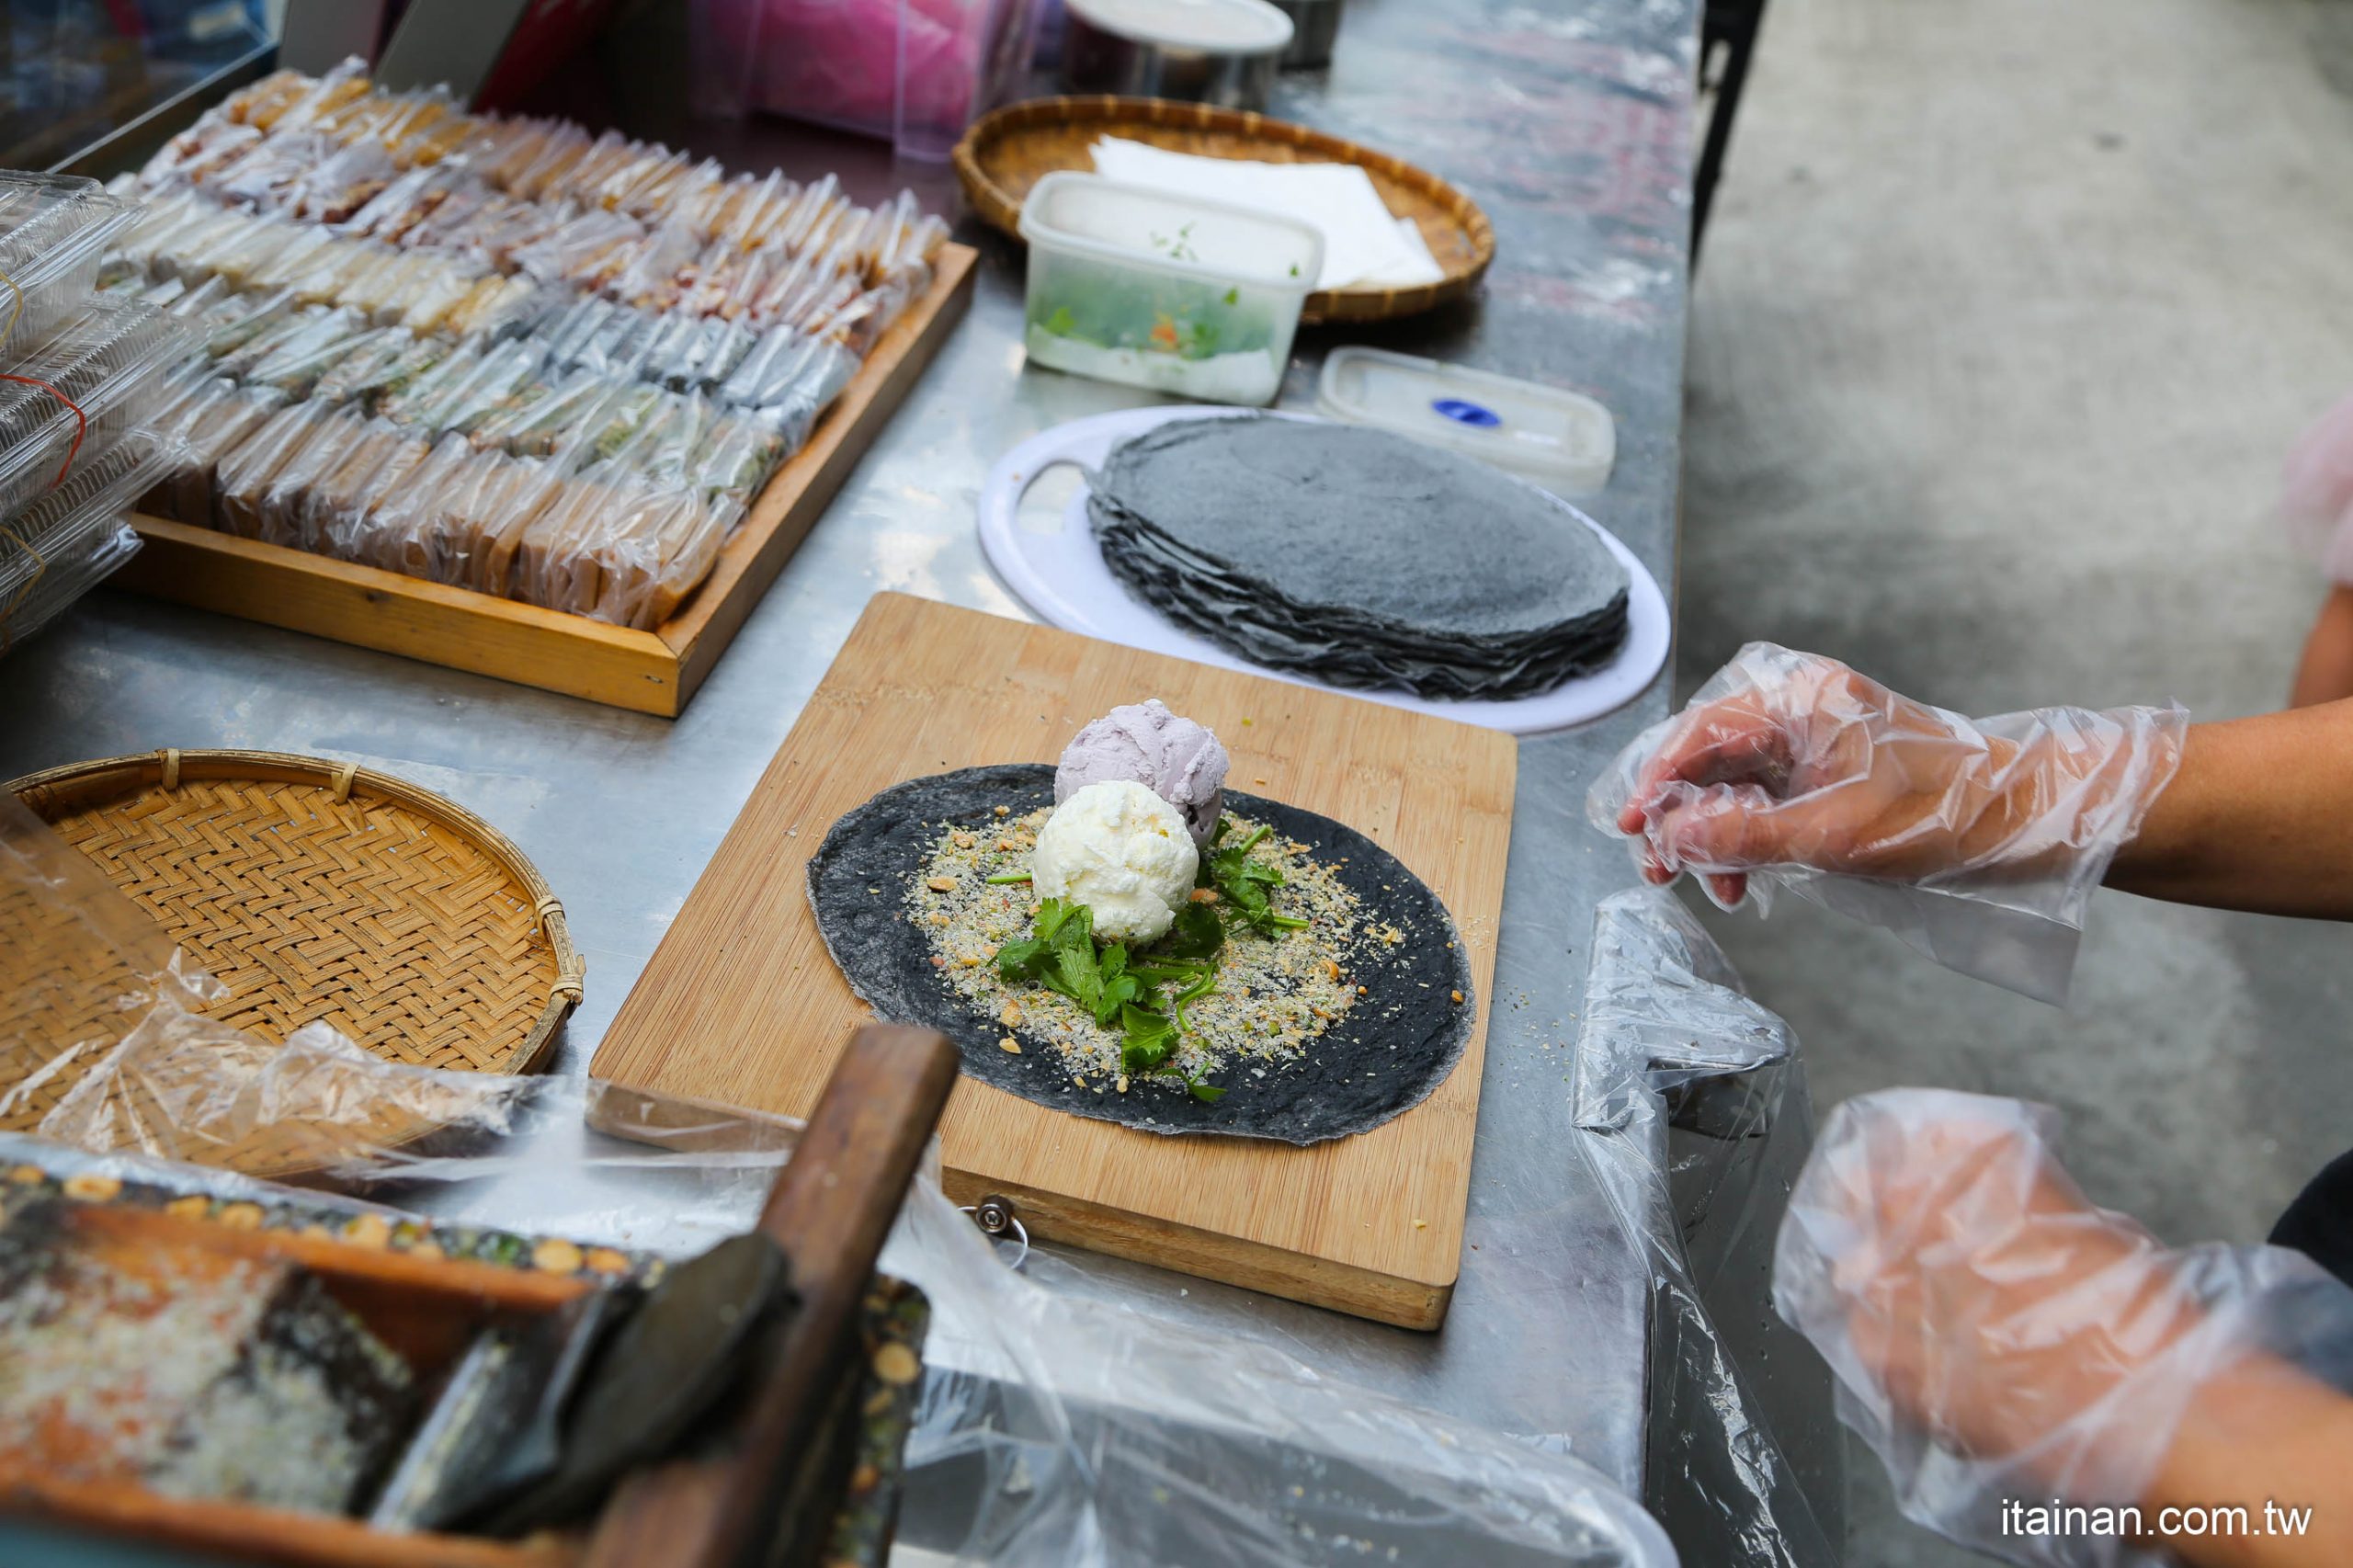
[{"x": 741, "y": 1005}]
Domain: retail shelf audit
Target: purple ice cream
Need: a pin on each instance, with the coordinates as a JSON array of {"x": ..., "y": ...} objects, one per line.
[{"x": 1176, "y": 759}]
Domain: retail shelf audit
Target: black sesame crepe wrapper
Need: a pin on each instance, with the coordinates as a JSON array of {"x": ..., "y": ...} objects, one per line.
[
  {"x": 1364, "y": 559},
  {"x": 1376, "y": 1061}
]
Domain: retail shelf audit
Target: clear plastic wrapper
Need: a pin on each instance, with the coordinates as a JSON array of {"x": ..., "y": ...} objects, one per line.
[
  {"x": 56, "y": 549},
  {"x": 1050, "y": 1428},
  {"x": 74, "y": 393},
  {"x": 208, "y": 418},
  {"x": 284, "y": 513},
  {"x": 1693, "y": 1113},
  {"x": 1978, "y": 840},
  {"x": 54, "y": 230},
  {"x": 1996, "y": 1337},
  {"x": 244, "y": 476}
]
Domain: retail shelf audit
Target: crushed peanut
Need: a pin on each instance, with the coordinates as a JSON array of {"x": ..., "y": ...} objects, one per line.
[{"x": 941, "y": 884}]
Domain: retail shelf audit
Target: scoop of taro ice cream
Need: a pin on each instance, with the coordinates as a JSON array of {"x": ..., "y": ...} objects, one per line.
[{"x": 1144, "y": 744}]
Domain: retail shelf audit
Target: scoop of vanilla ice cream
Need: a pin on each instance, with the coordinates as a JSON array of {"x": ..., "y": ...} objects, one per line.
[
  {"x": 1123, "y": 852},
  {"x": 1174, "y": 758}
]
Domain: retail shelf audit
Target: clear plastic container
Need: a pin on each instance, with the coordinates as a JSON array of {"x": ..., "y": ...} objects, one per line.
[
  {"x": 917, "y": 72},
  {"x": 53, "y": 231},
  {"x": 1562, "y": 441},
  {"x": 53, "y": 552},
  {"x": 1184, "y": 296},
  {"x": 74, "y": 394}
]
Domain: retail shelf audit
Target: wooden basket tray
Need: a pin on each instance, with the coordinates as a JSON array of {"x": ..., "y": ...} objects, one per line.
[
  {"x": 313, "y": 891},
  {"x": 1005, "y": 152},
  {"x": 650, "y": 672}
]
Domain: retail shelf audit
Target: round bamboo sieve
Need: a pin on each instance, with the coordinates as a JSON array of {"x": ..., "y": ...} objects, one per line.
[
  {"x": 1005, "y": 152},
  {"x": 315, "y": 891}
]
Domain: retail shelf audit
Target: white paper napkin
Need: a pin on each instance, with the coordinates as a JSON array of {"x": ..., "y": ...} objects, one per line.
[{"x": 1364, "y": 243}]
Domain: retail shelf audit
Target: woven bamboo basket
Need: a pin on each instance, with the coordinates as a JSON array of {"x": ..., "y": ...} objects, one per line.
[
  {"x": 315, "y": 891},
  {"x": 1003, "y": 154}
]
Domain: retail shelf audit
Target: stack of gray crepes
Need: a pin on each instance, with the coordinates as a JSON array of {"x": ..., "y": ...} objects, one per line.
[{"x": 1357, "y": 557}]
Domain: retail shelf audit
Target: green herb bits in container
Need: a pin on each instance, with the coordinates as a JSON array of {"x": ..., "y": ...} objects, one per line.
[{"x": 1185, "y": 296}]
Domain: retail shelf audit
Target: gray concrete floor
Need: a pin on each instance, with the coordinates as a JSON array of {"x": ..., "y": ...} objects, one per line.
[{"x": 2009, "y": 311}]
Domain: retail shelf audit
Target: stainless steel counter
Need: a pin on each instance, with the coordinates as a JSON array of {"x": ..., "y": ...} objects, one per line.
[{"x": 1571, "y": 125}]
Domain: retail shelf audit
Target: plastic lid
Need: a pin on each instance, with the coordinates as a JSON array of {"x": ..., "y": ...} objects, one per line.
[
  {"x": 1216, "y": 27},
  {"x": 1071, "y": 210},
  {"x": 1562, "y": 441}
]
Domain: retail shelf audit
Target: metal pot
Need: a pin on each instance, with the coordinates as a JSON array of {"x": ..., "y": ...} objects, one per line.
[
  {"x": 1315, "y": 25},
  {"x": 1212, "y": 51}
]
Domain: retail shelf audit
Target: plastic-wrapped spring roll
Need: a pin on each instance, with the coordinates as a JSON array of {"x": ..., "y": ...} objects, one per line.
[
  {"x": 469, "y": 388},
  {"x": 546, "y": 163},
  {"x": 363, "y": 360},
  {"x": 736, "y": 459},
  {"x": 447, "y": 207},
  {"x": 245, "y": 475},
  {"x": 808, "y": 207},
  {"x": 633, "y": 414},
  {"x": 392, "y": 209},
  {"x": 219, "y": 148},
  {"x": 284, "y": 515},
  {"x": 572, "y": 330},
  {"x": 588, "y": 250},
  {"x": 292, "y": 330},
  {"x": 493, "y": 305},
  {"x": 669, "y": 359},
  {"x": 255, "y": 254},
  {"x": 199, "y": 432},
  {"x": 338, "y": 185},
  {"x": 646, "y": 570},
  {"x": 333, "y": 516},
  {"x": 554, "y": 421},
  {"x": 297, "y": 366},
  {"x": 752, "y": 211},
  {"x": 659, "y": 269},
  {"x": 414, "y": 393},
  {"x": 245, "y": 319},
  {"x": 488, "y": 519},
  {"x": 439, "y": 294},
  {"x": 417, "y": 364}
]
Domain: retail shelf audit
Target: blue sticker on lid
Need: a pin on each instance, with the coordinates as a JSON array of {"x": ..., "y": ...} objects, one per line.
[{"x": 1464, "y": 411}]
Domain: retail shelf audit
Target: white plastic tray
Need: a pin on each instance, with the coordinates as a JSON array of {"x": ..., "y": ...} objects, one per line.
[{"x": 1061, "y": 575}]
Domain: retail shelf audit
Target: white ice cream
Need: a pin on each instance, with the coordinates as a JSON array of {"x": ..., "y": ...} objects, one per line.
[{"x": 1123, "y": 852}]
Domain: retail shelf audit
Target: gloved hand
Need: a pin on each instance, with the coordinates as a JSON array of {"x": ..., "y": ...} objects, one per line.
[
  {"x": 1978, "y": 840},
  {"x": 1994, "y": 1337}
]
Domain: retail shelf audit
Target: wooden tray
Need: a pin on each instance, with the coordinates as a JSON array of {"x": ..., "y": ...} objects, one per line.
[
  {"x": 315, "y": 891},
  {"x": 651, "y": 672},
  {"x": 741, "y": 1005},
  {"x": 1005, "y": 152}
]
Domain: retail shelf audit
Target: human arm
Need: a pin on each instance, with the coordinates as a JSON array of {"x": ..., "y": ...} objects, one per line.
[
  {"x": 2325, "y": 672},
  {"x": 1997, "y": 1338},
  {"x": 1793, "y": 761}
]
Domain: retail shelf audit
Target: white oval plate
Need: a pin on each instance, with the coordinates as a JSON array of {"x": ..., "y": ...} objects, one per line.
[{"x": 1063, "y": 578}]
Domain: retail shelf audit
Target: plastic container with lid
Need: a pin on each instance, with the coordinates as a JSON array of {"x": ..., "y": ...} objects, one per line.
[
  {"x": 1194, "y": 298},
  {"x": 1212, "y": 51},
  {"x": 1561, "y": 441},
  {"x": 53, "y": 231},
  {"x": 56, "y": 549},
  {"x": 77, "y": 391}
]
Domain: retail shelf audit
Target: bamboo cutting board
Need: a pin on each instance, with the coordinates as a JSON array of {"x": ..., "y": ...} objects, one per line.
[{"x": 741, "y": 1005}]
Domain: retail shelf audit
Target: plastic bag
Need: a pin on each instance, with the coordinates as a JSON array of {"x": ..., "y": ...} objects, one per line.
[
  {"x": 1996, "y": 1337},
  {"x": 1048, "y": 1429},
  {"x": 2316, "y": 493},
  {"x": 1693, "y": 1107},
  {"x": 1979, "y": 842}
]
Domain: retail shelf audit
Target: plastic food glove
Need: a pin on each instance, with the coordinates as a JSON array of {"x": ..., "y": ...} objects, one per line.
[
  {"x": 1979, "y": 841},
  {"x": 1996, "y": 1337}
]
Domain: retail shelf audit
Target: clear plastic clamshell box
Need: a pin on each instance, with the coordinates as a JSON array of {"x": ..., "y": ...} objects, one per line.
[
  {"x": 54, "y": 230},
  {"x": 1561, "y": 441},
  {"x": 61, "y": 546},
  {"x": 1184, "y": 296},
  {"x": 82, "y": 387}
]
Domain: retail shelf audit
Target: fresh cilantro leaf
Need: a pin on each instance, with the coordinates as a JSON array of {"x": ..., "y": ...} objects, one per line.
[
  {"x": 1208, "y": 1094},
  {"x": 1233, "y": 296},
  {"x": 1151, "y": 1039},
  {"x": 1061, "y": 324},
  {"x": 1196, "y": 934},
  {"x": 1022, "y": 961}
]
